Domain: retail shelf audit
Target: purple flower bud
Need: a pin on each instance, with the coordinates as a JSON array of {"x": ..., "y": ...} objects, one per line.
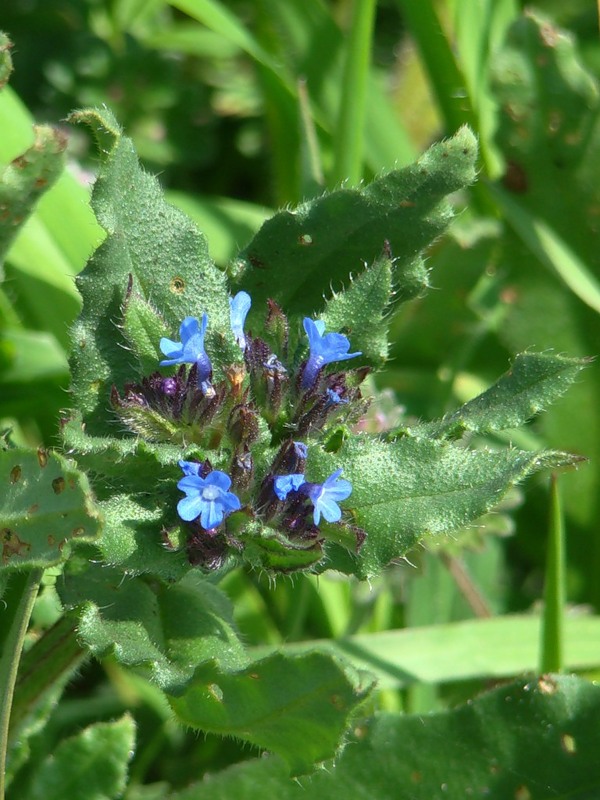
[{"x": 169, "y": 386}]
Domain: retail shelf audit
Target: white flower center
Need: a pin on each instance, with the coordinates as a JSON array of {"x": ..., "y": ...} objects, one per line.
[{"x": 211, "y": 493}]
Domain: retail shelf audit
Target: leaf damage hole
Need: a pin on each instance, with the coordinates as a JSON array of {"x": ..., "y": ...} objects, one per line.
[
  {"x": 177, "y": 285},
  {"x": 305, "y": 239},
  {"x": 42, "y": 457},
  {"x": 15, "y": 473},
  {"x": 12, "y": 545},
  {"x": 33, "y": 509},
  {"x": 567, "y": 742},
  {"x": 78, "y": 531},
  {"x": 547, "y": 685},
  {"x": 216, "y": 692},
  {"x": 58, "y": 485}
]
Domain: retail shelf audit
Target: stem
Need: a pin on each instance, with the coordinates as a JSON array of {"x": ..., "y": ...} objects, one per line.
[
  {"x": 49, "y": 663},
  {"x": 11, "y": 655},
  {"x": 351, "y": 122},
  {"x": 448, "y": 83},
  {"x": 467, "y": 587},
  {"x": 551, "y": 657}
]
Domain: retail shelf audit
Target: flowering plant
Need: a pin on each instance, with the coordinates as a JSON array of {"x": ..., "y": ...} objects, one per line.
[{"x": 258, "y": 415}]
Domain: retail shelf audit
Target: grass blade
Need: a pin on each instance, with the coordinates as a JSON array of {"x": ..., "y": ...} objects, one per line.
[
  {"x": 351, "y": 122},
  {"x": 551, "y": 657}
]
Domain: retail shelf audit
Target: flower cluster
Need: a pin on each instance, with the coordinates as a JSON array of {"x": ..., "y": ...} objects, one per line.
[{"x": 262, "y": 406}]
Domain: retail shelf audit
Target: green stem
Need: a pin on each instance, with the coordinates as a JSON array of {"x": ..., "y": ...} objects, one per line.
[
  {"x": 11, "y": 655},
  {"x": 448, "y": 83},
  {"x": 351, "y": 122},
  {"x": 49, "y": 663},
  {"x": 551, "y": 657}
]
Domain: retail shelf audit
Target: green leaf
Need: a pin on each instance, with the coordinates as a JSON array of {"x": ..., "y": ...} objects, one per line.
[
  {"x": 534, "y": 381},
  {"x": 298, "y": 707},
  {"x": 46, "y": 506},
  {"x": 528, "y": 741},
  {"x": 143, "y": 327},
  {"x": 168, "y": 260},
  {"x": 89, "y": 766},
  {"x": 135, "y": 520},
  {"x": 360, "y": 311},
  {"x": 172, "y": 630},
  {"x": 412, "y": 487},
  {"x": 299, "y": 254},
  {"x": 24, "y": 180},
  {"x": 473, "y": 649}
]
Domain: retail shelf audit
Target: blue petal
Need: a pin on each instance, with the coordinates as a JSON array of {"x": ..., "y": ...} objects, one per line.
[
  {"x": 329, "y": 508},
  {"x": 239, "y": 307},
  {"x": 212, "y": 514},
  {"x": 188, "y": 328},
  {"x": 333, "y": 477},
  {"x": 284, "y": 484},
  {"x": 314, "y": 330},
  {"x": 337, "y": 489},
  {"x": 189, "y": 467},
  {"x": 191, "y": 484},
  {"x": 169, "y": 347},
  {"x": 219, "y": 479},
  {"x": 230, "y": 502},
  {"x": 189, "y": 508},
  {"x": 340, "y": 491}
]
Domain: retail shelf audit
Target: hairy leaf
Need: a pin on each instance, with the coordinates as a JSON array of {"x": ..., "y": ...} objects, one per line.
[
  {"x": 91, "y": 765},
  {"x": 412, "y": 487},
  {"x": 533, "y": 740},
  {"x": 299, "y": 254},
  {"x": 534, "y": 381},
  {"x": 24, "y": 181},
  {"x": 45, "y": 506},
  {"x": 298, "y": 707},
  {"x": 165, "y": 632},
  {"x": 360, "y": 310},
  {"x": 160, "y": 255}
]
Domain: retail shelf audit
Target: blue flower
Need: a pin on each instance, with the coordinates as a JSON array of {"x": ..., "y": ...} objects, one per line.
[
  {"x": 326, "y": 496},
  {"x": 284, "y": 484},
  {"x": 239, "y": 307},
  {"x": 324, "y": 349},
  {"x": 190, "y": 350},
  {"x": 208, "y": 498}
]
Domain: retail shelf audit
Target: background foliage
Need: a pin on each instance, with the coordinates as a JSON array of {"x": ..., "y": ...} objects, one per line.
[{"x": 241, "y": 108}]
